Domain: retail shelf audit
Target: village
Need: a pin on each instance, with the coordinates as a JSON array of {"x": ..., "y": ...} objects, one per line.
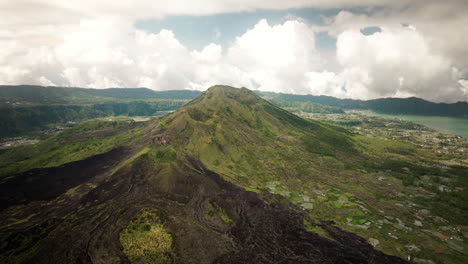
[
  {"x": 413, "y": 228},
  {"x": 361, "y": 123}
]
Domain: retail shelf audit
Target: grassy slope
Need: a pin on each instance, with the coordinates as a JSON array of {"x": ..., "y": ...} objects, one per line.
[
  {"x": 85, "y": 140},
  {"x": 323, "y": 168},
  {"x": 258, "y": 146},
  {"x": 250, "y": 140},
  {"x": 145, "y": 240}
]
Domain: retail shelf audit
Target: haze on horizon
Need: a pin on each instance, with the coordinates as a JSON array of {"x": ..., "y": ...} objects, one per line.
[{"x": 359, "y": 49}]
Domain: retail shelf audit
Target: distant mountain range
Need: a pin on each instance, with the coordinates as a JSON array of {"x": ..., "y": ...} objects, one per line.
[
  {"x": 61, "y": 95},
  {"x": 28, "y": 108},
  {"x": 25, "y": 108},
  {"x": 401, "y": 106}
]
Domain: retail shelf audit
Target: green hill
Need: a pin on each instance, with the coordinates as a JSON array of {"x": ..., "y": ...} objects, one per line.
[
  {"x": 105, "y": 192},
  {"x": 235, "y": 120},
  {"x": 227, "y": 178},
  {"x": 27, "y": 109},
  {"x": 66, "y": 95}
]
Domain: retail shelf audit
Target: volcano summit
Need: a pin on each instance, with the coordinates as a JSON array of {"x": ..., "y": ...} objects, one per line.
[{"x": 216, "y": 181}]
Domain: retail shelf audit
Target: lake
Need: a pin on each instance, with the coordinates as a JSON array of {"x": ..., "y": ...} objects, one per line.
[{"x": 454, "y": 125}]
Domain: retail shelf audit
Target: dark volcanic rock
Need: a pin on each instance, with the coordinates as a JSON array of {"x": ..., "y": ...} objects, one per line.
[
  {"x": 48, "y": 183},
  {"x": 74, "y": 213},
  {"x": 85, "y": 228}
]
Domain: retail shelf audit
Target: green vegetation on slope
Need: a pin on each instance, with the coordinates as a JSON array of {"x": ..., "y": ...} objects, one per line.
[
  {"x": 84, "y": 140},
  {"x": 218, "y": 212},
  {"x": 244, "y": 137},
  {"x": 145, "y": 241},
  {"x": 384, "y": 190},
  {"x": 307, "y": 107},
  {"x": 26, "y": 108},
  {"x": 324, "y": 168}
]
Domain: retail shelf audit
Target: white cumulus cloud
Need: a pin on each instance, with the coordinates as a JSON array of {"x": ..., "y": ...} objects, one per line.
[
  {"x": 95, "y": 44},
  {"x": 276, "y": 57},
  {"x": 398, "y": 61}
]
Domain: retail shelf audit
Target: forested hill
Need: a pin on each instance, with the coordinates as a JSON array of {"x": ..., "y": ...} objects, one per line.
[
  {"x": 27, "y": 108},
  {"x": 65, "y": 95},
  {"x": 191, "y": 187},
  {"x": 403, "y": 106}
]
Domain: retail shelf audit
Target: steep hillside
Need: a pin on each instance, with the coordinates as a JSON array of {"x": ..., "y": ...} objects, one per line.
[
  {"x": 374, "y": 187},
  {"x": 193, "y": 187},
  {"x": 235, "y": 131}
]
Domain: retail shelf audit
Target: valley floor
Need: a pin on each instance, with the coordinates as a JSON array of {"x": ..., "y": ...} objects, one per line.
[{"x": 409, "y": 205}]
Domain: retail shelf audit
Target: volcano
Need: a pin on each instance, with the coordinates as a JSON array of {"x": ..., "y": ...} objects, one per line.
[{"x": 186, "y": 188}]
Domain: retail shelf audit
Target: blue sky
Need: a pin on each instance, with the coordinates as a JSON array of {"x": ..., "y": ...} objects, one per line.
[{"x": 196, "y": 32}]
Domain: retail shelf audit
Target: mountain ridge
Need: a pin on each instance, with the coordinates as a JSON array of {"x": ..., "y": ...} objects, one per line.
[
  {"x": 58, "y": 95},
  {"x": 390, "y": 105},
  {"x": 189, "y": 170},
  {"x": 410, "y": 105}
]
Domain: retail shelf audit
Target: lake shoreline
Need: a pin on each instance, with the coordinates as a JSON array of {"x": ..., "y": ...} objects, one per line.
[{"x": 453, "y": 125}]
